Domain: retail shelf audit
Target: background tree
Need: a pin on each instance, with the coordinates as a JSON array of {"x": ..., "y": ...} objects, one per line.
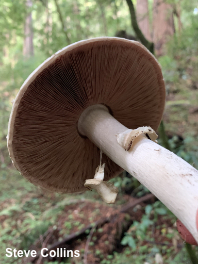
[
  {"x": 143, "y": 18},
  {"x": 28, "y": 46},
  {"x": 163, "y": 25}
]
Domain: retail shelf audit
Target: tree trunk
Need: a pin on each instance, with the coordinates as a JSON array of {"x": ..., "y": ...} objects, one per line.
[
  {"x": 143, "y": 17},
  {"x": 163, "y": 25},
  {"x": 28, "y": 47},
  {"x": 47, "y": 25},
  {"x": 136, "y": 28}
]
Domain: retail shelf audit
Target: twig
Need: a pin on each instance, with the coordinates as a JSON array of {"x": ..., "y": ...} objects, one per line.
[
  {"x": 43, "y": 246},
  {"x": 64, "y": 29},
  {"x": 163, "y": 244},
  {"x": 130, "y": 205},
  {"x": 79, "y": 233},
  {"x": 135, "y": 26},
  {"x": 87, "y": 244}
]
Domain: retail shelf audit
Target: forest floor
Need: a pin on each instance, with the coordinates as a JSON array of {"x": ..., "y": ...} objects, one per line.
[
  {"x": 33, "y": 220},
  {"x": 181, "y": 114}
]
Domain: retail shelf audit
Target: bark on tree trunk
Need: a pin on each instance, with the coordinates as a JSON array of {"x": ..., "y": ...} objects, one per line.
[
  {"x": 143, "y": 17},
  {"x": 163, "y": 25},
  {"x": 28, "y": 47}
]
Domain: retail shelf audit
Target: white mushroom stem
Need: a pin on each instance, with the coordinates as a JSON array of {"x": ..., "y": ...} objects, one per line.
[
  {"x": 170, "y": 178},
  {"x": 106, "y": 190}
]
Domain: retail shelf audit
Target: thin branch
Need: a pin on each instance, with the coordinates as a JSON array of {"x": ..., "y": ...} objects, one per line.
[
  {"x": 130, "y": 205},
  {"x": 62, "y": 22},
  {"x": 44, "y": 244},
  {"x": 149, "y": 45},
  {"x": 87, "y": 244},
  {"x": 163, "y": 244}
]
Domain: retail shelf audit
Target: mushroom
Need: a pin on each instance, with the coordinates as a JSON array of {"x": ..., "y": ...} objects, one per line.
[{"x": 84, "y": 99}]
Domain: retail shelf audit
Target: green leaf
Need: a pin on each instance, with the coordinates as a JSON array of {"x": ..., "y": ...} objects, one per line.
[
  {"x": 124, "y": 241},
  {"x": 131, "y": 243},
  {"x": 161, "y": 211},
  {"x": 148, "y": 209},
  {"x": 128, "y": 240}
]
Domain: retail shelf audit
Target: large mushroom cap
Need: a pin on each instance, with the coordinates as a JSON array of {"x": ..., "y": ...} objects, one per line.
[{"x": 43, "y": 140}]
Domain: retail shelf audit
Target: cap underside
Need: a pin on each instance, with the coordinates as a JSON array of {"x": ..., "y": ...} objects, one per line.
[{"x": 43, "y": 140}]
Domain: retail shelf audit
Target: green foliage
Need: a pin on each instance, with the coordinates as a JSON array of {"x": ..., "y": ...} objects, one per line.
[
  {"x": 57, "y": 262},
  {"x": 169, "y": 69},
  {"x": 128, "y": 256},
  {"x": 138, "y": 230},
  {"x": 12, "y": 14},
  {"x": 11, "y": 210},
  {"x": 128, "y": 240},
  {"x": 126, "y": 183},
  {"x": 185, "y": 43},
  {"x": 37, "y": 228},
  {"x": 187, "y": 150}
]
